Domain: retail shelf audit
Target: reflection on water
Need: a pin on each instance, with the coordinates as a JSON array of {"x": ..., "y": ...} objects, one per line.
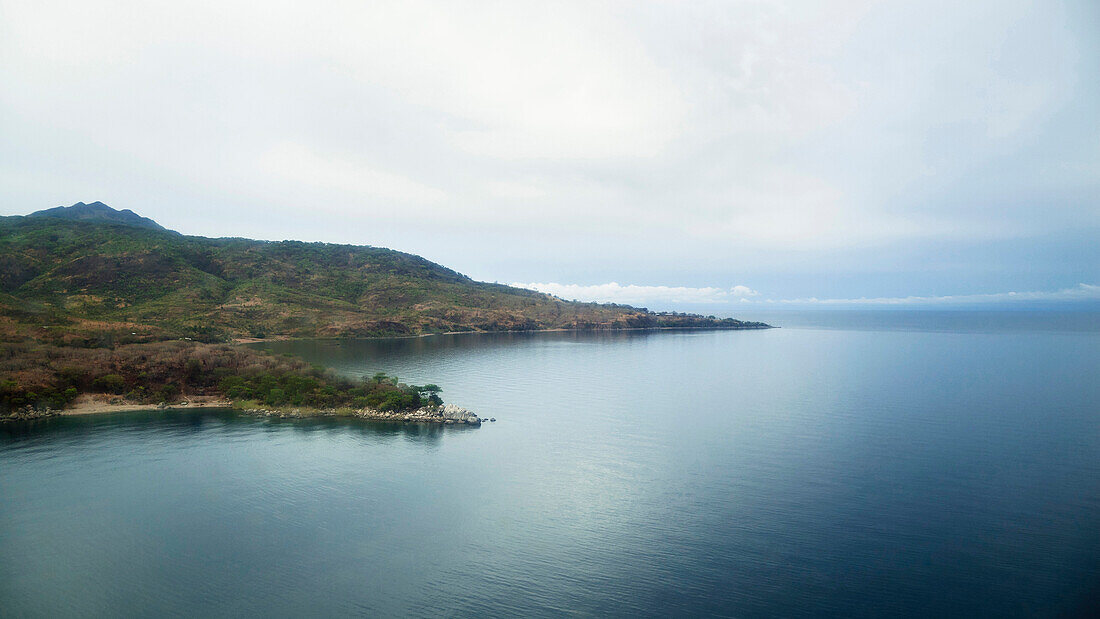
[
  {"x": 175, "y": 421},
  {"x": 348, "y": 354}
]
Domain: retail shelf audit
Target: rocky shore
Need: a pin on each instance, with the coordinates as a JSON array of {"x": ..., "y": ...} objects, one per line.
[
  {"x": 28, "y": 413},
  {"x": 448, "y": 414}
]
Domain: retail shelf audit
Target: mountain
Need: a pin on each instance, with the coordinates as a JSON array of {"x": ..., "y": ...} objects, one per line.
[
  {"x": 81, "y": 276},
  {"x": 98, "y": 211}
]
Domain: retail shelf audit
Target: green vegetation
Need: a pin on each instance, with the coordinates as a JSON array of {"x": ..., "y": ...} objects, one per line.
[
  {"x": 287, "y": 388},
  {"x": 94, "y": 300},
  {"x": 102, "y": 283},
  {"x": 45, "y": 376}
]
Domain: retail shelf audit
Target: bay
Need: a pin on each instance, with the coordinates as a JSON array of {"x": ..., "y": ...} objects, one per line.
[{"x": 903, "y": 464}]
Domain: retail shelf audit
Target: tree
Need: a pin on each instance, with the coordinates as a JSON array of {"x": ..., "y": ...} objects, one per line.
[
  {"x": 276, "y": 396},
  {"x": 433, "y": 393}
]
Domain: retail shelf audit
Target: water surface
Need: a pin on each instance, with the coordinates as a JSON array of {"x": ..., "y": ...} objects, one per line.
[{"x": 807, "y": 471}]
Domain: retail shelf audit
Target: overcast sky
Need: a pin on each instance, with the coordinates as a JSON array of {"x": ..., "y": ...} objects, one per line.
[{"x": 659, "y": 153}]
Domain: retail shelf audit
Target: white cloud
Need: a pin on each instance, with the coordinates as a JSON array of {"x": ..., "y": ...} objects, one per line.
[
  {"x": 1082, "y": 292},
  {"x": 632, "y": 294},
  {"x": 349, "y": 175},
  {"x": 613, "y": 292},
  {"x": 518, "y": 80}
]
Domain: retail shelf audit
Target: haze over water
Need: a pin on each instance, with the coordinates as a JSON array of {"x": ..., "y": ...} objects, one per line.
[{"x": 898, "y": 463}]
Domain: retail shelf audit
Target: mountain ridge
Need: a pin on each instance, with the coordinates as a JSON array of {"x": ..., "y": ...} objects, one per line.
[{"x": 81, "y": 279}]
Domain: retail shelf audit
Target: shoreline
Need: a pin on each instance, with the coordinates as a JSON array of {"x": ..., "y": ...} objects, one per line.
[
  {"x": 100, "y": 404},
  {"x": 448, "y": 414},
  {"x": 103, "y": 403},
  {"x": 288, "y": 338}
]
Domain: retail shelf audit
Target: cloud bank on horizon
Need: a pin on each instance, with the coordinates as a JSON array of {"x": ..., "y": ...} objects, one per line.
[
  {"x": 669, "y": 297},
  {"x": 633, "y": 294},
  {"x": 847, "y": 149},
  {"x": 1081, "y": 292}
]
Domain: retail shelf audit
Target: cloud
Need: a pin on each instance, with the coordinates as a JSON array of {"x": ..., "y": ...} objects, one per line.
[
  {"x": 632, "y": 294},
  {"x": 1082, "y": 292},
  {"x": 356, "y": 177},
  {"x": 673, "y": 141},
  {"x": 613, "y": 292}
]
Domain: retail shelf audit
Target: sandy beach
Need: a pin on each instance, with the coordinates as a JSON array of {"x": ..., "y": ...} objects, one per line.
[{"x": 92, "y": 404}]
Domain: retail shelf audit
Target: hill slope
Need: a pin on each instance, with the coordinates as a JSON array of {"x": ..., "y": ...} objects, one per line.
[{"x": 68, "y": 278}]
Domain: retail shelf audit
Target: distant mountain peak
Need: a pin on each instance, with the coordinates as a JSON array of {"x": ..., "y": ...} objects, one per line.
[{"x": 98, "y": 211}]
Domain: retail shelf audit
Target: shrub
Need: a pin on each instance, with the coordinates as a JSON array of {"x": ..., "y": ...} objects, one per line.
[
  {"x": 275, "y": 397},
  {"x": 110, "y": 383},
  {"x": 168, "y": 392}
]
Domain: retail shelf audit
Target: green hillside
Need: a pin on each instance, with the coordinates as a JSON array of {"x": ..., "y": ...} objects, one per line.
[{"x": 63, "y": 279}]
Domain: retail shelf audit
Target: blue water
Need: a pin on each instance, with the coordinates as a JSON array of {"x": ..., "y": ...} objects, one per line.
[{"x": 884, "y": 467}]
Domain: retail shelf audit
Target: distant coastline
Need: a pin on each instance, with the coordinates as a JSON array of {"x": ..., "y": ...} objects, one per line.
[
  {"x": 286, "y": 338},
  {"x": 92, "y": 276}
]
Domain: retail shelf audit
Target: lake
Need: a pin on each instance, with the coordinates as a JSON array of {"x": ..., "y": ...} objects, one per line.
[{"x": 894, "y": 464}]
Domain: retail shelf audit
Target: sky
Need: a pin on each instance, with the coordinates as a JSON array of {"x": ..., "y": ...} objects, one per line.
[{"x": 667, "y": 154}]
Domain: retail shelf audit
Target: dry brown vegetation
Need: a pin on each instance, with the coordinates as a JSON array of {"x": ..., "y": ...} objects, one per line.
[{"x": 103, "y": 307}]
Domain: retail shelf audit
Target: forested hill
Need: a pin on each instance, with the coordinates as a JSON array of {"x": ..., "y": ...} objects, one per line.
[
  {"x": 98, "y": 211},
  {"x": 64, "y": 278}
]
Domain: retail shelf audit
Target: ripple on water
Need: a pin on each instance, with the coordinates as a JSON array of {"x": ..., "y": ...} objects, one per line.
[{"x": 795, "y": 472}]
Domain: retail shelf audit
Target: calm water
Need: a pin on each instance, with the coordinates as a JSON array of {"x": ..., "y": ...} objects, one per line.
[{"x": 917, "y": 467}]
